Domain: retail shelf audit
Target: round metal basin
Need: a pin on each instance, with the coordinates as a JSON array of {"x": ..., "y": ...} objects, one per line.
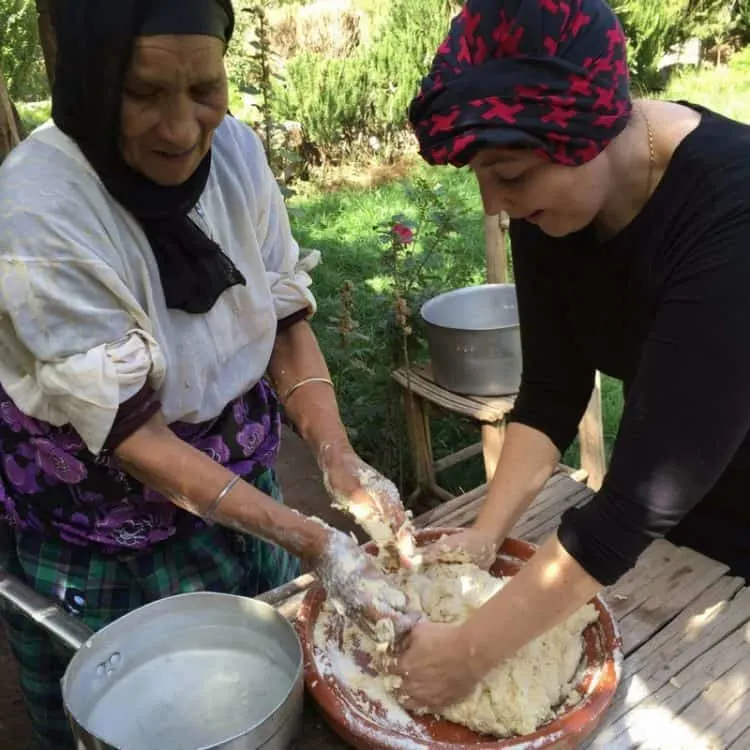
[{"x": 474, "y": 340}]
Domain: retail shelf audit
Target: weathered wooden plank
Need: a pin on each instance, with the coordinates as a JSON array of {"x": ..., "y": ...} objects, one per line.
[
  {"x": 463, "y": 516},
  {"x": 668, "y": 595},
  {"x": 462, "y": 510},
  {"x": 542, "y": 518},
  {"x": 677, "y": 695},
  {"x": 718, "y": 611},
  {"x": 621, "y": 597},
  {"x": 658, "y": 713},
  {"x": 558, "y": 495},
  {"x": 458, "y": 457},
  {"x": 440, "y": 516},
  {"x": 742, "y": 742},
  {"x": 659, "y": 561},
  {"x": 733, "y": 722},
  {"x": 557, "y": 486},
  {"x": 705, "y": 622},
  {"x": 720, "y": 711},
  {"x": 546, "y": 526},
  {"x": 420, "y": 381},
  {"x": 495, "y": 248}
]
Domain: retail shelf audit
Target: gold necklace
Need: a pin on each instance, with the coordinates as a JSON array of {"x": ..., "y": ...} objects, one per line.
[{"x": 651, "y": 151}]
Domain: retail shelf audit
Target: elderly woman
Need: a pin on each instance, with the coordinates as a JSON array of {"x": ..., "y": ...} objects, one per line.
[
  {"x": 631, "y": 249},
  {"x": 148, "y": 283}
]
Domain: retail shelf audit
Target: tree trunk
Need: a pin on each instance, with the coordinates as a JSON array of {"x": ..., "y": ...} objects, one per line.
[
  {"x": 9, "y": 137},
  {"x": 47, "y": 38}
]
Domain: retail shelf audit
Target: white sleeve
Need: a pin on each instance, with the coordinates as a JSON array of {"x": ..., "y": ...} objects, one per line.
[
  {"x": 288, "y": 275},
  {"x": 74, "y": 343}
]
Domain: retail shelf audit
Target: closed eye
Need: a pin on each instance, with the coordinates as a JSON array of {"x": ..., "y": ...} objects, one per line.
[
  {"x": 142, "y": 93},
  {"x": 515, "y": 179}
]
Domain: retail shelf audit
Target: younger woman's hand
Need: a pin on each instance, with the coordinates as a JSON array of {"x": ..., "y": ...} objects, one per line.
[{"x": 470, "y": 545}]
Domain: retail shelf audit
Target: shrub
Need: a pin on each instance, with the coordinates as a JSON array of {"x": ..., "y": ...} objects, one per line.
[
  {"x": 654, "y": 27},
  {"x": 20, "y": 53},
  {"x": 336, "y": 99}
]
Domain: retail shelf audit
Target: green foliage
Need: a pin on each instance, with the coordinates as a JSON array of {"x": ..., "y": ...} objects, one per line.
[
  {"x": 329, "y": 97},
  {"x": 20, "y": 53},
  {"x": 725, "y": 90},
  {"x": 368, "y": 92},
  {"x": 33, "y": 114},
  {"x": 251, "y": 67},
  {"x": 654, "y": 27},
  {"x": 741, "y": 20}
]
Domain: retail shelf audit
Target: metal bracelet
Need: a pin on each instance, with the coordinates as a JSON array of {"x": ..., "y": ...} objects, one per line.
[
  {"x": 209, "y": 515},
  {"x": 302, "y": 382}
]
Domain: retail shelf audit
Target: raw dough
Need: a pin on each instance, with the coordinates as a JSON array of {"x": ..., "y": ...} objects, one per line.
[{"x": 516, "y": 698}]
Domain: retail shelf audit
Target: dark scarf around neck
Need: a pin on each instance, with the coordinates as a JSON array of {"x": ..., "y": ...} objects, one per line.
[{"x": 94, "y": 48}]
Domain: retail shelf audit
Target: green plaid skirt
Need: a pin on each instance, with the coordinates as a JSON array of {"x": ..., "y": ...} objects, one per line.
[{"x": 101, "y": 588}]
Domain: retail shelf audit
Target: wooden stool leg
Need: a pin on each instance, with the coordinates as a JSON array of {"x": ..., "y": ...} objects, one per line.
[
  {"x": 493, "y": 436},
  {"x": 591, "y": 439},
  {"x": 419, "y": 440}
]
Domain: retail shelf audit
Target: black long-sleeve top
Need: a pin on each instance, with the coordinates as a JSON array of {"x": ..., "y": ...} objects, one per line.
[{"x": 665, "y": 307}]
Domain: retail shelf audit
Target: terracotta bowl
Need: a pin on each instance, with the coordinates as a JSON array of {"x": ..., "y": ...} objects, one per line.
[{"x": 364, "y": 730}]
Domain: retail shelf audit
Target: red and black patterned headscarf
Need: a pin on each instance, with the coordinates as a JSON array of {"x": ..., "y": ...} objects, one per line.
[{"x": 551, "y": 75}]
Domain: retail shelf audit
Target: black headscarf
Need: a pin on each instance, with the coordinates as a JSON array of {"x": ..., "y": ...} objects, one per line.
[{"x": 95, "y": 40}]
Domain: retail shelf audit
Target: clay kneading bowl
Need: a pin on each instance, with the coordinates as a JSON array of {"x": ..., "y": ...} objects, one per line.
[{"x": 365, "y": 730}]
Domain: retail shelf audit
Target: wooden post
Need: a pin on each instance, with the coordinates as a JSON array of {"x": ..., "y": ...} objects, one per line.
[
  {"x": 495, "y": 247},
  {"x": 9, "y": 135},
  {"x": 47, "y": 38},
  {"x": 591, "y": 439}
]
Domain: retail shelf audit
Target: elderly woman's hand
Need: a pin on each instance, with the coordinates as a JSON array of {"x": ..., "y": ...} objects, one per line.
[
  {"x": 352, "y": 578},
  {"x": 371, "y": 499}
]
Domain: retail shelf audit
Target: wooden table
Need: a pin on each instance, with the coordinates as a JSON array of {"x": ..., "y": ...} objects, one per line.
[{"x": 686, "y": 630}]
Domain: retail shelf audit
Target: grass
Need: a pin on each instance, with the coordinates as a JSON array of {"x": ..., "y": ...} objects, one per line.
[
  {"x": 33, "y": 114},
  {"x": 725, "y": 90}
]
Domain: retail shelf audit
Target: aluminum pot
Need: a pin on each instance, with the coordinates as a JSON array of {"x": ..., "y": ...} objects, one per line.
[
  {"x": 474, "y": 339},
  {"x": 195, "y": 671}
]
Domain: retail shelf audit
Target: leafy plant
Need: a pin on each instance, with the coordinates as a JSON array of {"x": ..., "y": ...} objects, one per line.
[
  {"x": 20, "y": 53},
  {"x": 369, "y": 91},
  {"x": 255, "y": 72}
]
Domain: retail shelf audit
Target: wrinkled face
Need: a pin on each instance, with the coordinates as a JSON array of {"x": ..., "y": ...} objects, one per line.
[
  {"x": 559, "y": 199},
  {"x": 174, "y": 98}
]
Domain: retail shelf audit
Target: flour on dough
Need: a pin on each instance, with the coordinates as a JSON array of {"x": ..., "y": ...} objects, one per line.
[{"x": 517, "y": 697}]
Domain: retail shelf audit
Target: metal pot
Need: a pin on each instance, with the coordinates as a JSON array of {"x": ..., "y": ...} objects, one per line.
[
  {"x": 195, "y": 671},
  {"x": 474, "y": 339}
]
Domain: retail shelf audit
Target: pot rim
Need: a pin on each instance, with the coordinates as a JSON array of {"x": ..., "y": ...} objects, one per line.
[
  {"x": 428, "y": 306},
  {"x": 285, "y": 705}
]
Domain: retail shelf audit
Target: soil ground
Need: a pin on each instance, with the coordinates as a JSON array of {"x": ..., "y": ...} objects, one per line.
[{"x": 303, "y": 490}]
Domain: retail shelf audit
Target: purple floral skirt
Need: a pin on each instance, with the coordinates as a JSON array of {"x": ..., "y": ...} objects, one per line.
[{"x": 51, "y": 484}]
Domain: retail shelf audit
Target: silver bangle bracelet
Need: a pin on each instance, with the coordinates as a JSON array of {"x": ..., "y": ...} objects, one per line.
[{"x": 209, "y": 515}]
